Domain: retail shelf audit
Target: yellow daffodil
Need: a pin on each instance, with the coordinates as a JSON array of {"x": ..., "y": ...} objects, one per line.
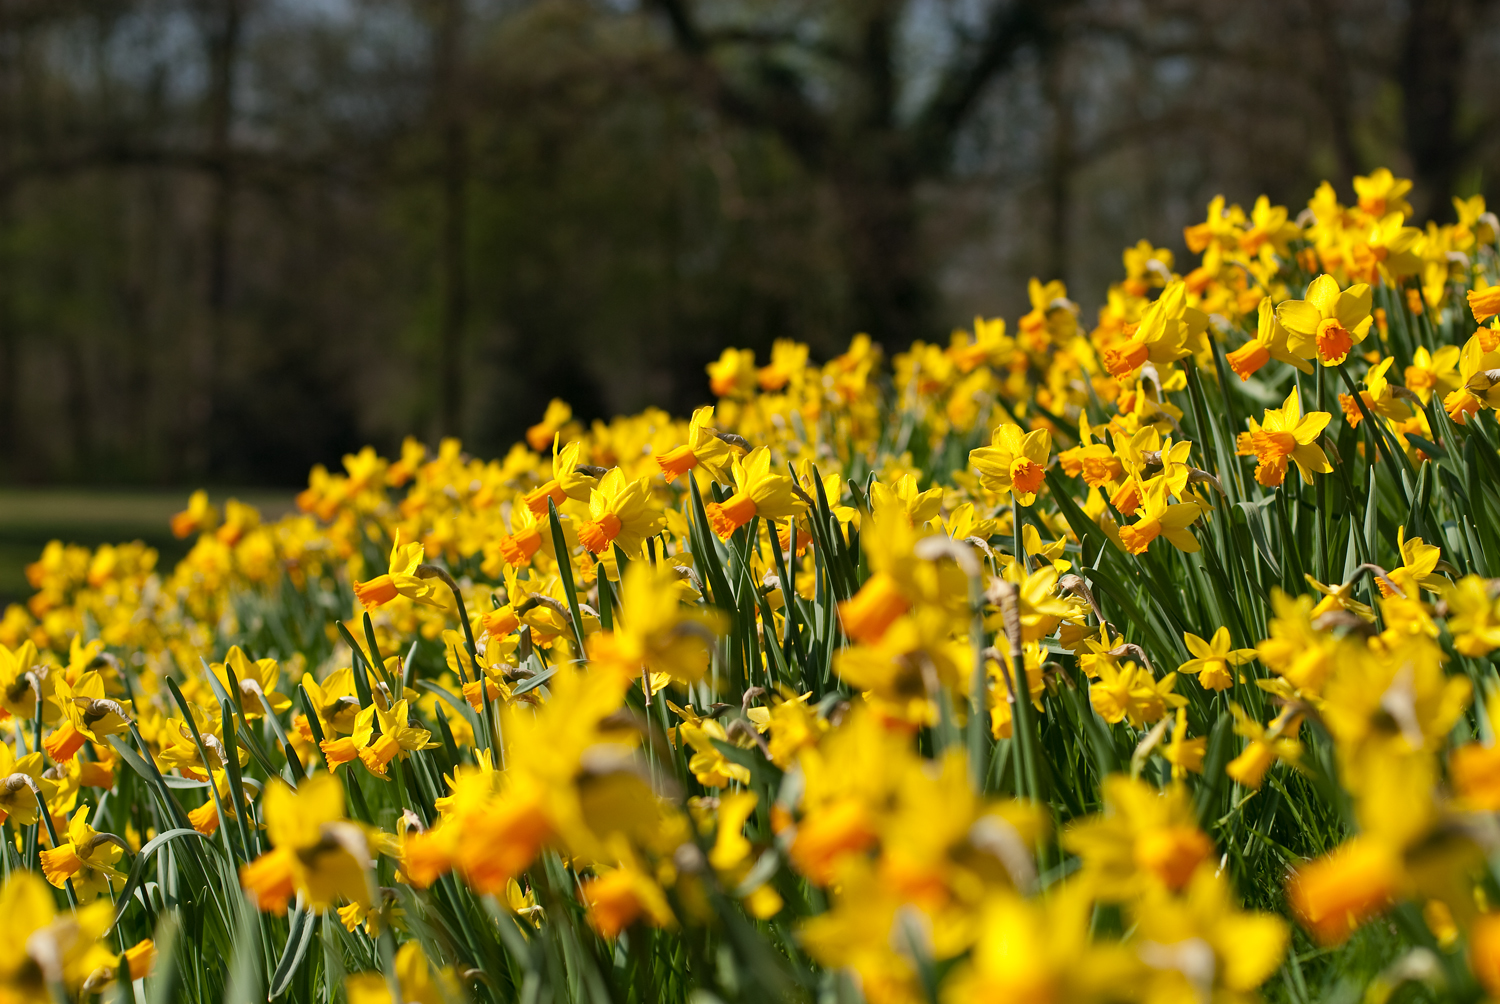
[
  {"x": 88, "y": 858},
  {"x": 47, "y": 950},
  {"x": 1211, "y": 659},
  {"x": 1016, "y": 462},
  {"x": 654, "y": 631},
  {"x": 761, "y": 492},
  {"x": 1286, "y": 434},
  {"x": 704, "y": 449},
  {"x": 1271, "y": 341},
  {"x": 315, "y": 851},
  {"x": 621, "y": 512},
  {"x": 403, "y": 579},
  {"x": 1328, "y": 321},
  {"x": 1160, "y": 518}
]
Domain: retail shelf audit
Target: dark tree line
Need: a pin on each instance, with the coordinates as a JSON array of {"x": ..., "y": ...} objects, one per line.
[{"x": 241, "y": 236}]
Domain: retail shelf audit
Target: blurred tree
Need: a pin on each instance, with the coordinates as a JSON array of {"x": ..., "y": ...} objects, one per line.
[
  {"x": 831, "y": 82},
  {"x": 241, "y": 236}
]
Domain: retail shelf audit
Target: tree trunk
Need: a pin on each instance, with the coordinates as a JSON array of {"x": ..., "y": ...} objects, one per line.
[
  {"x": 1333, "y": 83},
  {"x": 1430, "y": 72},
  {"x": 205, "y": 361},
  {"x": 877, "y": 205},
  {"x": 1060, "y": 167},
  {"x": 452, "y": 247},
  {"x": 10, "y": 383}
]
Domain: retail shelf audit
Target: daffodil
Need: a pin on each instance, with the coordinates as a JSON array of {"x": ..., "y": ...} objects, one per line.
[
  {"x": 1328, "y": 321},
  {"x": 704, "y": 449},
  {"x": 1168, "y": 330},
  {"x": 379, "y": 736},
  {"x": 47, "y": 950},
  {"x": 760, "y": 492},
  {"x": 1016, "y": 462},
  {"x": 1418, "y": 568},
  {"x": 90, "y": 716},
  {"x": 24, "y": 791},
  {"x": 1200, "y": 946},
  {"x": 617, "y": 897},
  {"x": 315, "y": 851},
  {"x": 1161, "y": 518},
  {"x": 571, "y": 479},
  {"x": 1431, "y": 372},
  {"x": 1266, "y": 745},
  {"x": 1473, "y": 616},
  {"x": 403, "y": 579},
  {"x": 24, "y": 681},
  {"x": 257, "y": 682},
  {"x": 793, "y": 725},
  {"x": 419, "y": 980},
  {"x": 1040, "y": 950},
  {"x": 1270, "y": 342},
  {"x": 199, "y": 517},
  {"x": 1211, "y": 659},
  {"x": 557, "y": 415},
  {"x": 1286, "y": 434},
  {"x": 654, "y": 632},
  {"x": 1144, "y": 838},
  {"x": 733, "y": 374},
  {"x": 1479, "y": 380},
  {"x": 621, "y": 512},
  {"x": 1333, "y": 895},
  {"x": 1129, "y": 691},
  {"x": 1484, "y": 303},
  {"x": 88, "y": 857}
]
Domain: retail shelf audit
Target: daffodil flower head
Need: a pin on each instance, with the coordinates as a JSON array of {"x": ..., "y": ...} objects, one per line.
[
  {"x": 1328, "y": 321},
  {"x": 704, "y": 449},
  {"x": 403, "y": 579},
  {"x": 315, "y": 851},
  {"x": 1211, "y": 659},
  {"x": 1015, "y": 463},
  {"x": 1286, "y": 434},
  {"x": 761, "y": 492}
]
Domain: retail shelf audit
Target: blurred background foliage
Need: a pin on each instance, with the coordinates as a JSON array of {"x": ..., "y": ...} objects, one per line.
[{"x": 238, "y": 237}]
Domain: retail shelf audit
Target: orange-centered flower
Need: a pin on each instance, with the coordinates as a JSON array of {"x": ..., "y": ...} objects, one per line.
[
  {"x": 620, "y": 511},
  {"x": 1286, "y": 434},
  {"x": 1328, "y": 322},
  {"x": 1173, "y": 853},
  {"x": 1015, "y": 463},
  {"x": 761, "y": 493}
]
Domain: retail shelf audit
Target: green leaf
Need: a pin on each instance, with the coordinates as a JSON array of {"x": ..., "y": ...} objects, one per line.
[
  {"x": 304, "y": 925},
  {"x": 1255, "y": 520},
  {"x": 138, "y": 868}
]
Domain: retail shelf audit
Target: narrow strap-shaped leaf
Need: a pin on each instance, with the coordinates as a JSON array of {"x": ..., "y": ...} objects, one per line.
[
  {"x": 565, "y": 573},
  {"x": 138, "y": 867},
  {"x": 304, "y": 925}
]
